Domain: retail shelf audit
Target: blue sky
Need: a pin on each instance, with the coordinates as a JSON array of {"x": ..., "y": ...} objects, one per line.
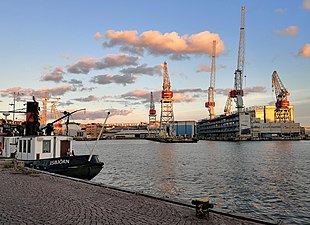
[{"x": 106, "y": 55}]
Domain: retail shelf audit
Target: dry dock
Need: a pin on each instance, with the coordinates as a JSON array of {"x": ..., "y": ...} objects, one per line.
[{"x": 41, "y": 198}]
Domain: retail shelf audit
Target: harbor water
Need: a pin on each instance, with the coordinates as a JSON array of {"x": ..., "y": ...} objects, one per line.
[{"x": 262, "y": 179}]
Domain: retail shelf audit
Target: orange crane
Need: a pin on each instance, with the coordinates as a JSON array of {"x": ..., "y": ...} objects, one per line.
[
  {"x": 282, "y": 112},
  {"x": 237, "y": 92},
  {"x": 46, "y": 99},
  {"x": 210, "y": 104},
  {"x": 167, "y": 128}
]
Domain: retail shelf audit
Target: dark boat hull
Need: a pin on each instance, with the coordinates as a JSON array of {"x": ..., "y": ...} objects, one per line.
[{"x": 72, "y": 166}]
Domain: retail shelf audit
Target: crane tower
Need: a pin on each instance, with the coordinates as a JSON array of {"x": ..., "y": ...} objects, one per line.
[
  {"x": 210, "y": 104},
  {"x": 152, "y": 113},
  {"x": 167, "y": 128},
  {"x": 237, "y": 92},
  {"x": 282, "y": 111}
]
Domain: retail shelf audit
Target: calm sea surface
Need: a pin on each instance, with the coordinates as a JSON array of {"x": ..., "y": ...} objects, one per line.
[{"x": 266, "y": 180}]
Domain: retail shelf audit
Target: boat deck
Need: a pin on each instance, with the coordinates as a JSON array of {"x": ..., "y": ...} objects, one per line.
[{"x": 41, "y": 198}]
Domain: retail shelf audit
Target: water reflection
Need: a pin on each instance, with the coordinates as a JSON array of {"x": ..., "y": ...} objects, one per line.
[{"x": 167, "y": 166}]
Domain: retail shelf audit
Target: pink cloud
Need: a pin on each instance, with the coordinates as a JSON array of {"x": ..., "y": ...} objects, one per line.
[
  {"x": 97, "y": 36},
  {"x": 289, "y": 31},
  {"x": 169, "y": 43},
  {"x": 307, "y": 4},
  {"x": 56, "y": 75},
  {"x": 180, "y": 97},
  {"x": 305, "y": 51}
]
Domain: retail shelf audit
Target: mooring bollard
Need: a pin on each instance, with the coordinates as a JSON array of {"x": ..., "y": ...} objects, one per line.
[{"x": 202, "y": 207}]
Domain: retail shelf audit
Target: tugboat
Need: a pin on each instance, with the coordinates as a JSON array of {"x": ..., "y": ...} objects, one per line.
[{"x": 39, "y": 148}]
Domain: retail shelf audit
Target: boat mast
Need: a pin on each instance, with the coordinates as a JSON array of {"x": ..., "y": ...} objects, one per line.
[{"x": 92, "y": 151}]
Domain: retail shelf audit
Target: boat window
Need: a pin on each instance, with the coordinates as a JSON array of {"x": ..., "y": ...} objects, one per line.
[
  {"x": 25, "y": 145},
  {"x": 46, "y": 146},
  {"x": 20, "y": 145},
  {"x": 29, "y": 146}
]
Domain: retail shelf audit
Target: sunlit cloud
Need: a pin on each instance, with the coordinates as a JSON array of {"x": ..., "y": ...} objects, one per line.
[
  {"x": 305, "y": 51},
  {"x": 178, "y": 47},
  {"x": 289, "y": 31},
  {"x": 109, "y": 61},
  {"x": 246, "y": 90},
  {"x": 306, "y": 4},
  {"x": 143, "y": 70},
  {"x": 56, "y": 75},
  {"x": 280, "y": 10},
  {"x": 207, "y": 68},
  {"x": 100, "y": 114},
  {"x": 90, "y": 98},
  {"x": 55, "y": 91},
  {"x": 118, "y": 79},
  {"x": 203, "y": 68},
  {"x": 97, "y": 36}
]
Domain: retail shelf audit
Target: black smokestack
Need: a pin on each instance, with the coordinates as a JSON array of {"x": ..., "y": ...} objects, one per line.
[{"x": 32, "y": 118}]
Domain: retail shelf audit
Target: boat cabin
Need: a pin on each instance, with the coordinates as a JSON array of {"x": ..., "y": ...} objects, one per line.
[{"x": 36, "y": 147}]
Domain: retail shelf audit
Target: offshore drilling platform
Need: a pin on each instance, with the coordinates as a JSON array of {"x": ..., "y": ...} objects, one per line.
[{"x": 254, "y": 123}]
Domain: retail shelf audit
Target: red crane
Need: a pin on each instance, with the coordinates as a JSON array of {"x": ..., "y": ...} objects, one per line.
[
  {"x": 167, "y": 128},
  {"x": 152, "y": 112}
]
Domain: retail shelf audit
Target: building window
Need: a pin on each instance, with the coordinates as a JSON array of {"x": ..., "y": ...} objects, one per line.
[
  {"x": 29, "y": 146},
  {"x": 46, "y": 146},
  {"x": 20, "y": 145},
  {"x": 25, "y": 146}
]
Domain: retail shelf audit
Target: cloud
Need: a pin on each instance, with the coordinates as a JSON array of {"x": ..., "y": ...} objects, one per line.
[
  {"x": 255, "y": 89},
  {"x": 118, "y": 79},
  {"x": 180, "y": 97},
  {"x": 143, "y": 70},
  {"x": 203, "y": 68},
  {"x": 280, "y": 10},
  {"x": 100, "y": 114},
  {"x": 246, "y": 90},
  {"x": 75, "y": 82},
  {"x": 49, "y": 92},
  {"x": 90, "y": 98},
  {"x": 17, "y": 91},
  {"x": 97, "y": 36},
  {"x": 143, "y": 96},
  {"x": 166, "y": 44},
  {"x": 305, "y": 51},
  {"x": 56, "y": 75},
  {"x": 109, "y": 61},
  {"x": 307, "y": 4},
  {"x": 132, "y": 49},
  {"x": 206, "y": 68},
  {"x": 56, "y": 91},
  {"x": 289, "y": 31}
]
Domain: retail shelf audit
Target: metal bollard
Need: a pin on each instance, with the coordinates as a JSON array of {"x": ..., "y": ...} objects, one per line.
[{"x": 202, "y": 207}]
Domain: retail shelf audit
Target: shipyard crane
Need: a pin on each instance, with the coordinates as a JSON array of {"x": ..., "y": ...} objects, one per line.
[
  {"x": 237, "y": 92},
  {"x": 46, "y": 99},
  {"x": 228, "y": 105},
  {"x": 152, "y": 112},
  {"x": 210, "y": 104},
  {"x": 58, "y": 125},
  {"x": 167, "y": 128},
  {"x": 282, "y": 111}
]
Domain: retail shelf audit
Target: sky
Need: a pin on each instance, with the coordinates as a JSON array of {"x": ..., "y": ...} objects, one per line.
[{"x": 108, "y": 55}]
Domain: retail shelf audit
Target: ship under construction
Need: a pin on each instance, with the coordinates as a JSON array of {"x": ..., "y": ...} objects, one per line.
[{"x": 253, "y": 123}]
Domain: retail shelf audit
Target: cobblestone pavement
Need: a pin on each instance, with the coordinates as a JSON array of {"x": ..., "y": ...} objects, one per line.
[{"x": 46, "y": 199}]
